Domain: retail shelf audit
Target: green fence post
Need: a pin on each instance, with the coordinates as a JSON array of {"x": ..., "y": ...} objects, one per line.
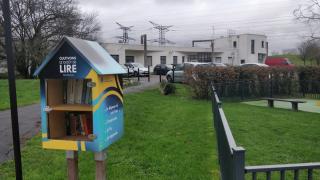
[{"x": 238, "y": 163}]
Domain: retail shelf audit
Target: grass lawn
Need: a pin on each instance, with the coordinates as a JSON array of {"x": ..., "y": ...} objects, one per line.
[
  {"x": 171, "y": 137},
  {"x": 27, "y": 92},
  {"x": 272, "y": 135}
]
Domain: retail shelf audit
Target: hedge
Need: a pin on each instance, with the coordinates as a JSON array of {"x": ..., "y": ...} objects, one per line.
[{"x": 253, "y": 81}]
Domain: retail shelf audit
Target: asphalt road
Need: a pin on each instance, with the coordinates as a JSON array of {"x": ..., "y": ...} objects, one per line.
[{"x": 29, "y": 120}]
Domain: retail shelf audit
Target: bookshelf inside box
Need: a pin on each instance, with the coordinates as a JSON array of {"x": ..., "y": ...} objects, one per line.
[{"x": 57, "y": 121}]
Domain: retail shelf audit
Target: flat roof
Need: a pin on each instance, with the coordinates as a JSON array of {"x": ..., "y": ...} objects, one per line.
[{"x": 140, "y": 47}]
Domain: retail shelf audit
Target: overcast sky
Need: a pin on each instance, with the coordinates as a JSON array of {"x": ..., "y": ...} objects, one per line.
[{"x": 196, "y": 19}]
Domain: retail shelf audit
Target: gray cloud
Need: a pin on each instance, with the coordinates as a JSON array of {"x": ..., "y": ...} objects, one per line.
[
  {"x": 174, "y": 2},
  {"x": 193, "y": 19}
]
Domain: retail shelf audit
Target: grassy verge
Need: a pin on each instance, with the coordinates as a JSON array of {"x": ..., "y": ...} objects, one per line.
[
  {"x": 166, "y": 137},
  {"x": 27, "y": 92},
  {"x": 171, "y": 137}
]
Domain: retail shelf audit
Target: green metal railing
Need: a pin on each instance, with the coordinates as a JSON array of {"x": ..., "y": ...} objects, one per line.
[{"x": 232, "y": 157}]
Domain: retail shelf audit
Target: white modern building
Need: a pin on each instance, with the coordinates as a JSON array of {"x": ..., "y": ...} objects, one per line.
[
  {"x": 126, "y": 53},
  {"x": 233, "y": 50},
  {"x": 242, "y": 48}
]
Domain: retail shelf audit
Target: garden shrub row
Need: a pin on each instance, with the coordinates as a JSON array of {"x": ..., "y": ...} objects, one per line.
[{"x": 253, "y": 81}]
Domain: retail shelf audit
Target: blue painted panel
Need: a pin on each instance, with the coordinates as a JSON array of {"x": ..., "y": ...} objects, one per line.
[{"x": 66, "y": 63}]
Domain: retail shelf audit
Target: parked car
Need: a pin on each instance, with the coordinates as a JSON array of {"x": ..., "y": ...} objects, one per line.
[
  {"x": 161, "y": 69},
  {"x": 253, "y": 65},
  {"x": 179, "y": 71},
  {"x": 278, "y": 61},
  {"x": 127, "y": 69},
  {"x": 143, "y": 71},
  {"x": 217, "y": 65}
]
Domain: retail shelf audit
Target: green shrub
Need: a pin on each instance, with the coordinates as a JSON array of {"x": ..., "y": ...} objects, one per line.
[
  {"x": 167, "y": 88},
  {"x": 3, "y": 75},
  {"x": 253, "y": 81}
]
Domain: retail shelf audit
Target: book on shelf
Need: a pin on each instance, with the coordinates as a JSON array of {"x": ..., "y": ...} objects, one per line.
[
  {"x": 78, "y": 124},
  {"x": 65, "y": 92},
  {"x": 79, "y": 93},
  {"x": 76, "y": 91}
]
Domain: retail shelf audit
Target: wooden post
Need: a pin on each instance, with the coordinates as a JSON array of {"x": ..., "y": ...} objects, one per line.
[
  {"x": 72, "y": 165},
  {"x": 100, "y": 159}
]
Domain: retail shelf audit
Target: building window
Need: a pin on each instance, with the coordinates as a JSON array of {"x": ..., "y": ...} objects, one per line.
[
  {"x": 261, "y": 57},
  {"x": 234, "y": 44},
  {"x": 252, "y": 46},
  {"x": 262, "y": 44},
  {"x": 129, "y": 59},
  {"x": 218, "y": 59},
  {"x": 163, "y": 59},
  {"x": 148, "y": 62},
  {"x": 242, "y": 61},
  {"x": 115, "y": 57},
  {"x": 267, "y": 47},
  {"x": 230, "y": 60},
  {"x": 175, "y": 59},
  {"x": 182, "y": 59}
]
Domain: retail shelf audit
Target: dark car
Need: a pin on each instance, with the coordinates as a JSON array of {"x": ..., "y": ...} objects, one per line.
[{"x": 161, "y": 69}]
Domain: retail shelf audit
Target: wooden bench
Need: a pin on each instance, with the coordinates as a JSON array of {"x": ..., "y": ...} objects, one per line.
[{"x": 294, "y": 103}]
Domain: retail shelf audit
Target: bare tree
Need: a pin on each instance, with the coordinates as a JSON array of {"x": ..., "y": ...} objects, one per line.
[
  {"x": 316, "y": 52},
  {"x": 38, "y": 24},
  {"x": 309, "y": 13},
  {"x": 309, "y": 51}
]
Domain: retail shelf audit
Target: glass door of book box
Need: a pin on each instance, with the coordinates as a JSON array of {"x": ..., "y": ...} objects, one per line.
[{"x": 69, "y": 104}]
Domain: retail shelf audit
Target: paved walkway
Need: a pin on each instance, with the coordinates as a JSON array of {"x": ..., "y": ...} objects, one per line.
[
  {"x": 144, "y": 84},
  {"x": 29, "y": 123},
  {"x": 29, "y": 120}
]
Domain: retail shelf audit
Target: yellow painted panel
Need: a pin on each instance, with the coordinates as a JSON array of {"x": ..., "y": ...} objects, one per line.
[
  {"x": 60, "y": 144},
  {"x": 118, "y": 81},
  {"x": 83, "y": 146}
]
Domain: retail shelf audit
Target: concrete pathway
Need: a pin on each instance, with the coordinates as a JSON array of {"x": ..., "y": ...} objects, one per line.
[
  {"x": 144, "y": 84},
  {"x": 29, "y": 120},
  {"x": 29, "y": 124}
]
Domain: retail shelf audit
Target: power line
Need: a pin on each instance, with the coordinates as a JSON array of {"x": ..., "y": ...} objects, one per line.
[
  {"x": 125, "y": 37},
  {"x": 162, "y": 33},
  {"x": 197, "y": 26},
  {"x": 222, "y": 10}
]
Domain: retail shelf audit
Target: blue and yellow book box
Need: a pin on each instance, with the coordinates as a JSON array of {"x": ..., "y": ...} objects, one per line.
[{"x": 81, "y": 97}]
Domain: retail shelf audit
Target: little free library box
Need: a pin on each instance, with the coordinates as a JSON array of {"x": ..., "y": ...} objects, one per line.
[{"x": 81, "y": 97}]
